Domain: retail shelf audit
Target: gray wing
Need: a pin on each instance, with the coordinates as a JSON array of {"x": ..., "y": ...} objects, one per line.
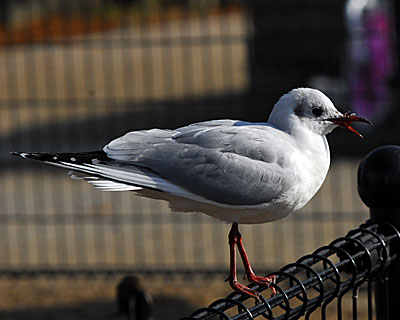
[{"x": 225, "y": 161}]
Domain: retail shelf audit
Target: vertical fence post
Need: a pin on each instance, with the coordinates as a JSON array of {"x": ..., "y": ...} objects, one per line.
[{"x": 379, "y": 189}]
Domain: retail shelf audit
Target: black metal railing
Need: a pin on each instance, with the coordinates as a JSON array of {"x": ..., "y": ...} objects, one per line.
[
  {"x": 363, "y": 256},
  {"x": 366, "y": 255}
]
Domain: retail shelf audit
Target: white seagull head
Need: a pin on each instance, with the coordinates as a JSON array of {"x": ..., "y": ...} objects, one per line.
[{"x": 311, "y": 110}]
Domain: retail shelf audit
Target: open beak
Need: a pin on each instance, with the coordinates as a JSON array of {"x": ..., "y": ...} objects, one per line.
[{"x": 346, "y": 120}]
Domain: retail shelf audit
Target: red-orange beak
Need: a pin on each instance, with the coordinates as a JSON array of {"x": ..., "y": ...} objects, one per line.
[{"x": 347, "y": 119}]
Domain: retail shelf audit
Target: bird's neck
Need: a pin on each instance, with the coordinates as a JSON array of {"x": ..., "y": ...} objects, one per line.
[
  {"x": 306, "y": 139},
  {"x": 309, "y": 141}
]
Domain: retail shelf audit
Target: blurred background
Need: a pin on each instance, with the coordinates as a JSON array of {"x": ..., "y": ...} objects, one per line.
[{"x": 76, "y": 74}]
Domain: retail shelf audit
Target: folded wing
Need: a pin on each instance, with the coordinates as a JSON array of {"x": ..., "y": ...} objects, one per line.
[{"x": 223, "y": 161}]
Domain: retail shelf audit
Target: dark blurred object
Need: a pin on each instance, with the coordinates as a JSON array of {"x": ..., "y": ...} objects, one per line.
[
  {"x": 134, "y": 303},
  {"x": 293, "y": 41},
  {"x": 379, "y": 177},
  {"x": 126, "y": 2},
  {"x": 4, "y": 12}
]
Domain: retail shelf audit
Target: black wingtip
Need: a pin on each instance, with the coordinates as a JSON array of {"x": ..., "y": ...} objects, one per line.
[
  {"x": 31, "y": 155},
  {"x": 67, "y": 157},
  {"x": 20, "y": 154}
]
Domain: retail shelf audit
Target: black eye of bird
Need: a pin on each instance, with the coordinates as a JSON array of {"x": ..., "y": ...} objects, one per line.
[{"x": 317, "y": 111}]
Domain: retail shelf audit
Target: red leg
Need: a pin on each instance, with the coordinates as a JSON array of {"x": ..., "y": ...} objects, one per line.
[
  {"x": 235, "y": 238},
  {"x": 247, "y": 267},
  {"x": 232, "y": 278}
]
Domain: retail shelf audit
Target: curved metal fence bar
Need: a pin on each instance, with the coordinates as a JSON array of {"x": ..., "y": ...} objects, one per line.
[{"x": 317, "y": 279}]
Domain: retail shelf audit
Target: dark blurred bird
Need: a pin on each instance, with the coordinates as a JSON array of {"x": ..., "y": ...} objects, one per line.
[{"x": 133, "y": 302}]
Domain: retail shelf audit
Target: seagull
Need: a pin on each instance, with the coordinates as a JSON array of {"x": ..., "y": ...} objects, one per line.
[{"x": 240, "y": 172}]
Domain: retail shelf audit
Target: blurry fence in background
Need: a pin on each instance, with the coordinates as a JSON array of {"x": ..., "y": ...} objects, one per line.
[{"x": 74, "y": 75}]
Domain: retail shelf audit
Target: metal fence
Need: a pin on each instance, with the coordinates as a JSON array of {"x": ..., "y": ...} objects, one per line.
[
  {"x": 314, "y": 281},
  {"x": 76, "y": 74}
]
